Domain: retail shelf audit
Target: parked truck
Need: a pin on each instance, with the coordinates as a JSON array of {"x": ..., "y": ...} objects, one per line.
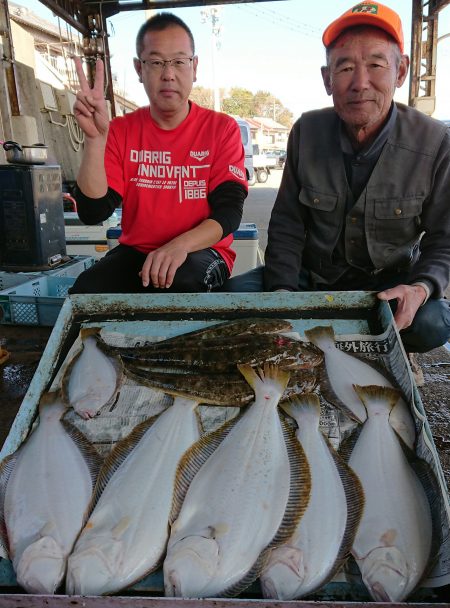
[{"x": 262, "y": 165}]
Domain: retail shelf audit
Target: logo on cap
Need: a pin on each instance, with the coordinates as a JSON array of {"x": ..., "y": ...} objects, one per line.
[{"x": 366, "y": 8}]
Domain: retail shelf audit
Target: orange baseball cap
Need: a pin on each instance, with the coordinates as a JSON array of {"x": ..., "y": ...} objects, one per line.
[{"x": 366, "y": 13}]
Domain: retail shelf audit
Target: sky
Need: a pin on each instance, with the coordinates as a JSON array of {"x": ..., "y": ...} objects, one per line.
[{"x": 269, "y": 46}]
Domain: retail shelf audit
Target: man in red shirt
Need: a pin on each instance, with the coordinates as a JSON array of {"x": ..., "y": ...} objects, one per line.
[{"x": 176, "y": 168}]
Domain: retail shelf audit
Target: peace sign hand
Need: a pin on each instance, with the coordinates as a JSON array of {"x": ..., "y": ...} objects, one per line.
[{"x": 90, "y": 108}]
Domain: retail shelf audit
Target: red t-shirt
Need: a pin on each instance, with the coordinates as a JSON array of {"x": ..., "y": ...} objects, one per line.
[{"x": 164, "y": 177}]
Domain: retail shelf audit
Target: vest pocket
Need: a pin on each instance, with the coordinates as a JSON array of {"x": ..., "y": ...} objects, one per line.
[
  {"x": 397, "y": 231},
  {"x": 397, "y": 209},
  {"x": 318, "y": 201}
]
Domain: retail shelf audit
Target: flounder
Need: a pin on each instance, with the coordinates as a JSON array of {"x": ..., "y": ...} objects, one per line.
[
  {"x": 227, "y": 329},
  {"x": 242, "y": 489},
  {"x": 127, "y": 532},
  {"x": 46, "y": 488},
  {"x": 393, "y": 543},
  {"x": 216, "y": 389},
  {"x": 93, "y": 378},
  {"x": 343, "y": 370},
  {"x": 324, "y": 536},
  {"x": 221, "y": 355}
]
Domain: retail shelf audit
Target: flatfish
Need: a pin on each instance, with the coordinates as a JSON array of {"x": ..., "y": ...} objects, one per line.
[
  {"x": 46, "y": 490},
  {"x": 324, "y": 536},
  {"x": 217, "y": 389},
  {"x": 227, "y": 329},
  {"x": 343, "y": 370},
  {"x": 393, "y": 543},
  {"x": 127, "y": 532},
  {"x": 240, "y": 491},
  {"x": 93, "y": 378},
  {"x": 222, "y": 355}
]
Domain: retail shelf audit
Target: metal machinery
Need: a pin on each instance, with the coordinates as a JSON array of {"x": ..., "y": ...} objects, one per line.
[{"x": 424, "y": 39}]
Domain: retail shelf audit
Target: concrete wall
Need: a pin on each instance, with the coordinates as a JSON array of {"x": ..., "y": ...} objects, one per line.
[{"x": 35, "y": 124}]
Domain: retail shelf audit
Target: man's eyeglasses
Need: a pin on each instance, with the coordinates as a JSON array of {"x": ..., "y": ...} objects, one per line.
[{"x": 158, "y": 65}]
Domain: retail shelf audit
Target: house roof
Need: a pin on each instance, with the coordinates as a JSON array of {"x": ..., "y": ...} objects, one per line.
[
  {"x": 21, "y": 14},
  {"x": 269, "y": 123}
]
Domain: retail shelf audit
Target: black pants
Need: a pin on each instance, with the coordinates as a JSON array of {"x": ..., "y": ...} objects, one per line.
[{"x": 118, "y": 272}]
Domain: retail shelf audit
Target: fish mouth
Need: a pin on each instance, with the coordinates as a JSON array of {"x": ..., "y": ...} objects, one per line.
[
  {"x": 91, "y": 571},
  {"x": 41, "y": 567},
  {"x": 385, "y": 573},
  {"x": 190, "y": 565}
]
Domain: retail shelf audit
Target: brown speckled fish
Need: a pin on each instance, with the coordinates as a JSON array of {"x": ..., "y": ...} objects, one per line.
[
  {"x": 222, "y": 355},
  {"x": 217, "y": 389}
]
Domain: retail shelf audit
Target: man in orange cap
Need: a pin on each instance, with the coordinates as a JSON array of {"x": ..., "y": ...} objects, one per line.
[{"x": 364, "y": 200}]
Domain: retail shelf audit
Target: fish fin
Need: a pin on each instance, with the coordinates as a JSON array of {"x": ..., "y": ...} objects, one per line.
[
  {"x": 47, "y": 399},
  {"x": 66, "y": 378},
  {"x": 348, "y": 443},
  {"x": 6, "y": 468},
  {"x": 249, "y": 374},
  {"x": 306, "y": 404},
  {"x": 300, "y": 487},
  {"x": 193, "y": 459},
  {"x": 354, "y": 495},
  {"x": 120, "y": 378},
  {"x": 316, "y": 334},
  {"x": 433, "y": 492},
  {"x": 301, "y": 381},
  {"x": 270, "y": 373},
  {"x": 236, "y": 327},
  {"x": 373, "y": 391},
  {"x": 85, "y": 332},
  {"x": 250, "y": 577},
  {"x": 91, "y": 456},
  {"x": 117, "y": 456}
]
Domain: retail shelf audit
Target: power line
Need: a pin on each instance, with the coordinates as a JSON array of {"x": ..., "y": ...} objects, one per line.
[{"x": 283, "y": 21}]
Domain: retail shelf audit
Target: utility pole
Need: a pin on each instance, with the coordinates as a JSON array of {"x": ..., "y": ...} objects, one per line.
[{"x": 212, "y": 14}]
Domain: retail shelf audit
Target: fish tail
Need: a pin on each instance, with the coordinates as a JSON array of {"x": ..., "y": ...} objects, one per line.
[
  {"x": 317, "y": 334},
  {"x": 250, "y": 375},
  {"x": 271, "y": 373},
  {"x": 85, "y": 332},
  {"x": 299, "y": 406},
  {"x": 47, "y": 399},
  {"x": 380, "y": 393},
  {"x": 276, "y": 375}
]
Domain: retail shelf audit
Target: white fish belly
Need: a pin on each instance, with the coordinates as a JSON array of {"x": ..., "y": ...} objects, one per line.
[
  {"x": 93, "y": 379},
  {"x": 304, "y": 563},
  {"x": 127, "y": 532},
  {"x": 46, "y": 498},
  {"x": 345, "y": 370},
  {"x": 393, "y": 542},
  {"x": 232, "y": 509}
]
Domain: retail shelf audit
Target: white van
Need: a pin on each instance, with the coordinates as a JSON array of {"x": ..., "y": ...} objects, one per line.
[{"x": 246, "y": 137}]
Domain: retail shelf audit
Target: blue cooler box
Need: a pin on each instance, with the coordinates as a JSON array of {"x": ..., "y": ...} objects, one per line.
[{"x": 245, "y": 244}]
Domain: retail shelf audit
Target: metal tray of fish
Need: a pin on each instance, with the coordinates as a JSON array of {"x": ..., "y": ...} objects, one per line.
[{"x": 359, "y": 325}]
